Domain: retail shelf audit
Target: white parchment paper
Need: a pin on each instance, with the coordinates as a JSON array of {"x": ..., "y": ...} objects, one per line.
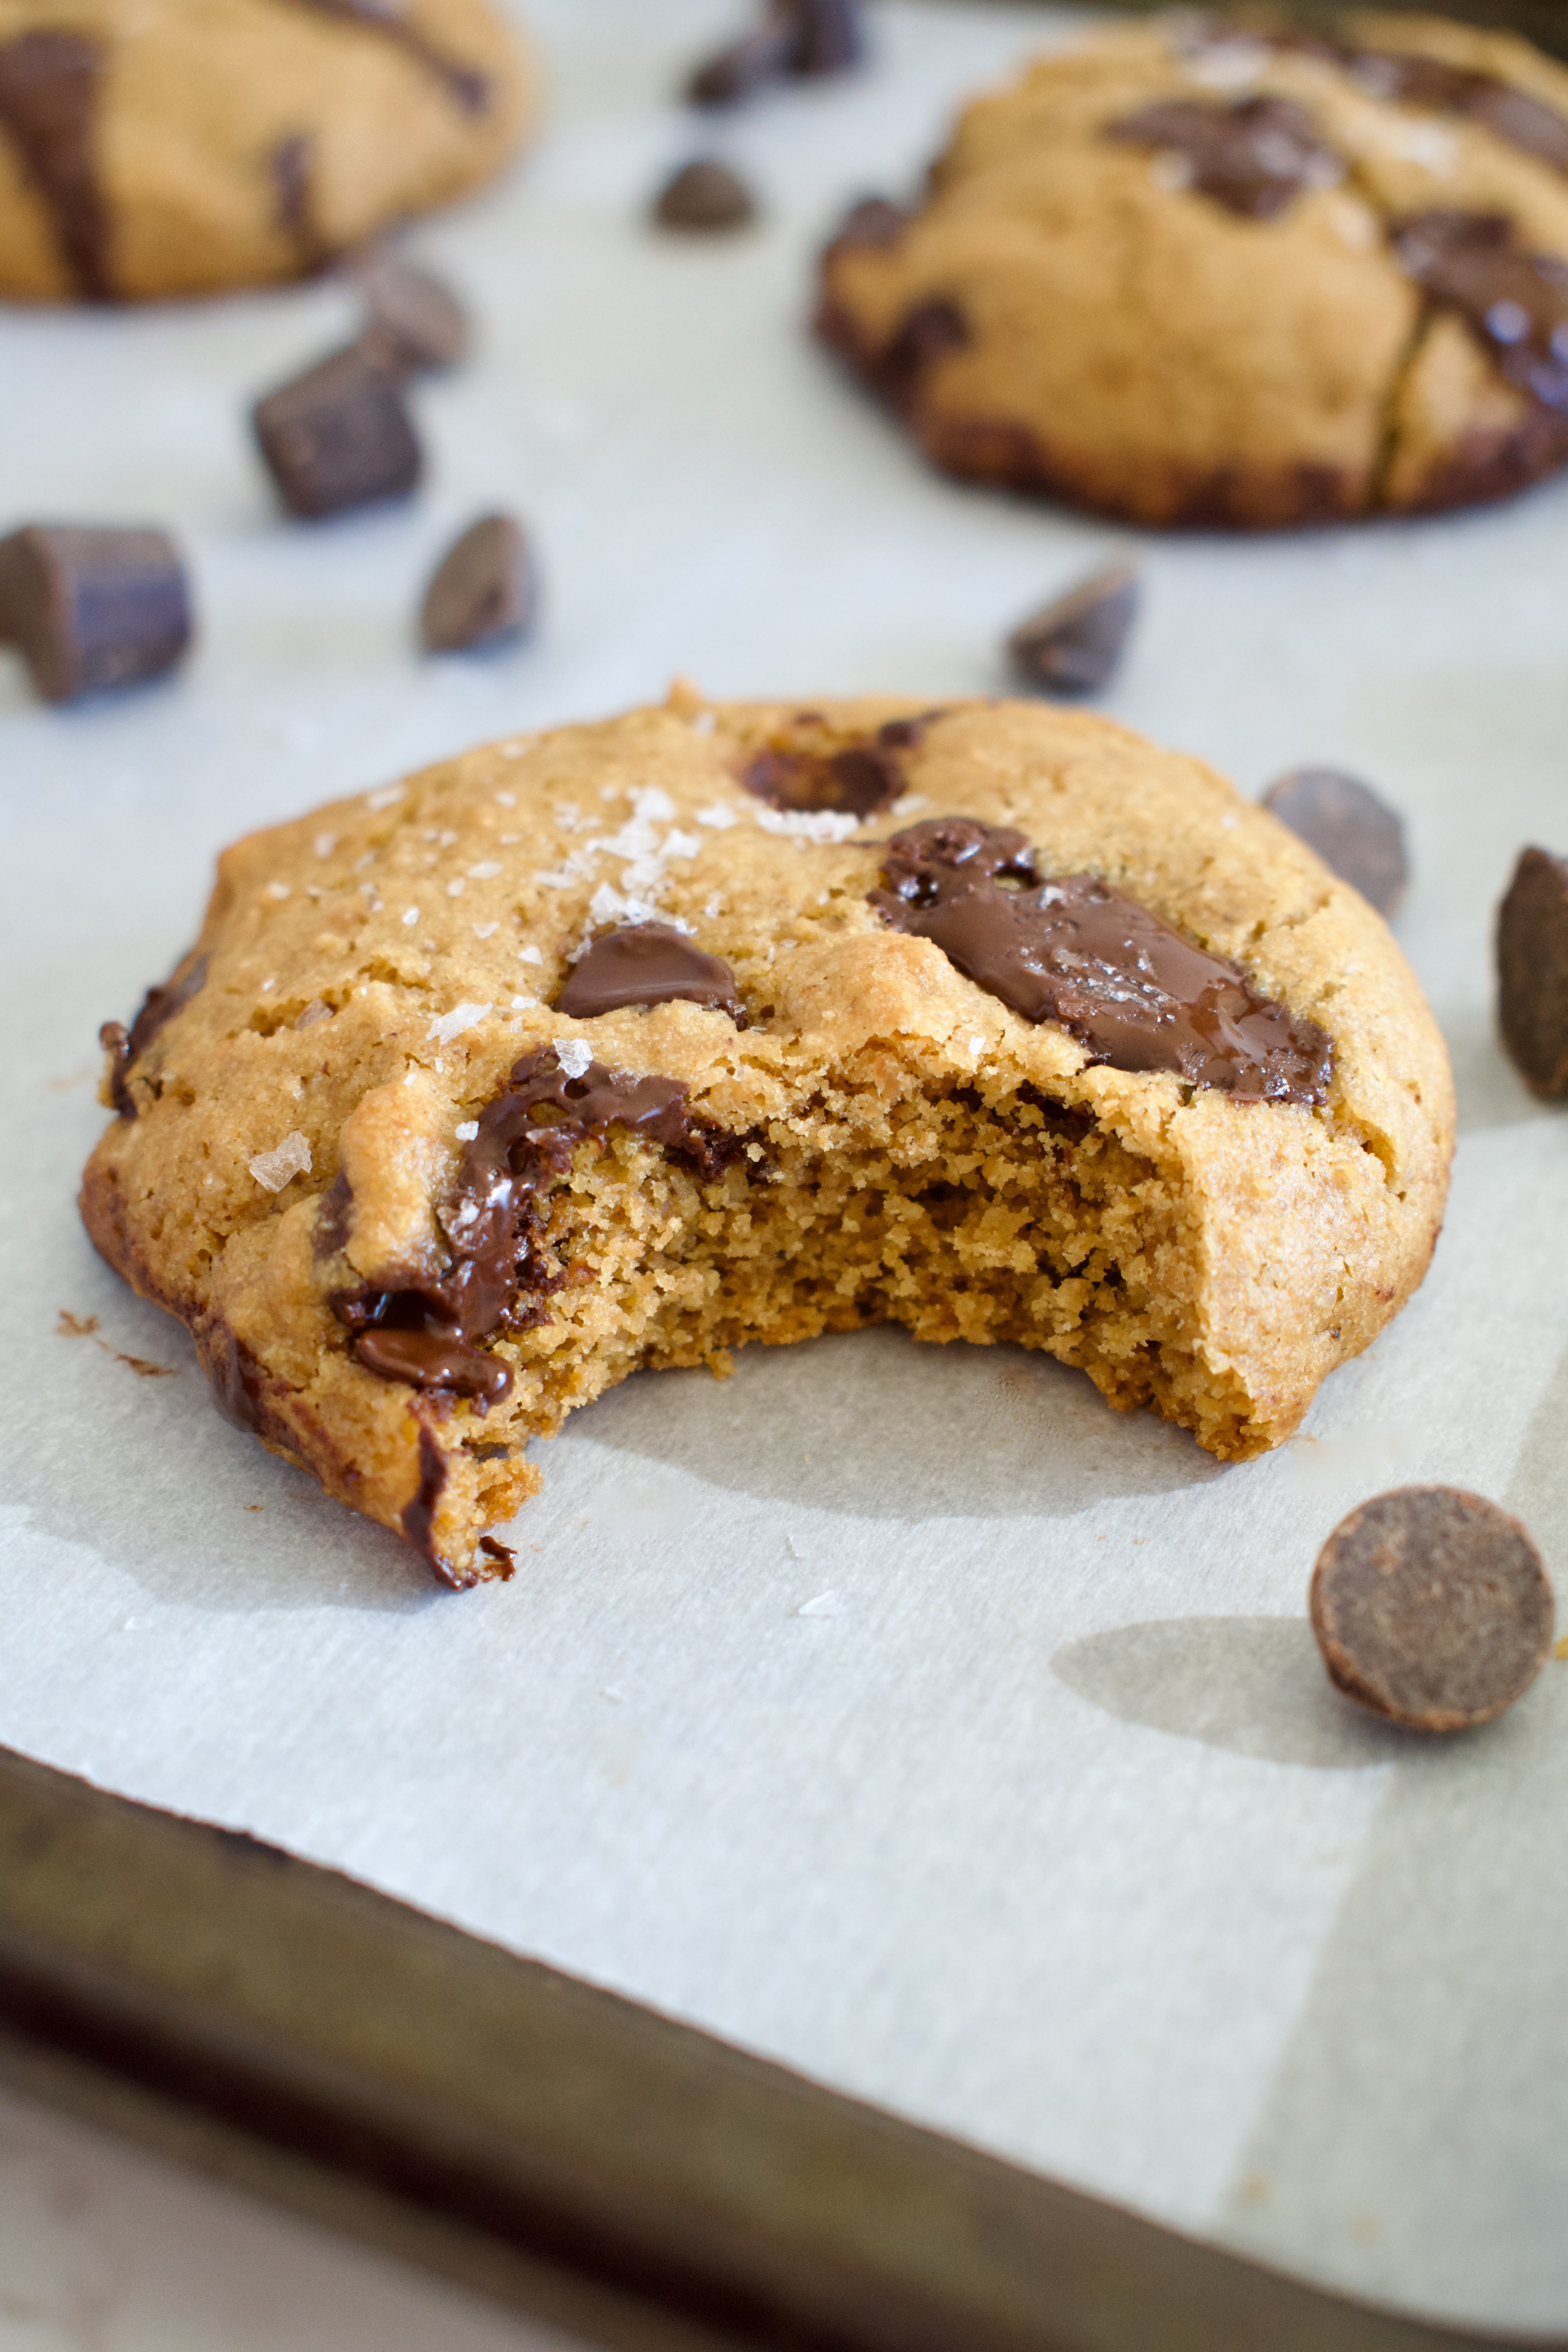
[{"x": 902, "y": 1713}]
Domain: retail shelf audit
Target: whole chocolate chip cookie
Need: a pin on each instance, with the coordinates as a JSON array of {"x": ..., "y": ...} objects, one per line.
[
  {"x": 190, "y": 145},
  {"x": 1195, "y": 275},
  {"x": 625, "y": 1044}
]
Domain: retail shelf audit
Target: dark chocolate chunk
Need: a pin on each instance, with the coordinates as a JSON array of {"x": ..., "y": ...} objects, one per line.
[
  {"x": 291, "y": 165},
  {"x": 872, "y": 222},
  {"x": 418, "y": 1516},
  {"x": 92, "y": 609},
  {"x": 483, "y": 593},
  {"x": 1431, "y": 1607},
  {"x": 861, "y": 780},
  {"x": 922, "y": 336},
  {"x": 501, "y": 1269},
  {"x": 647, "y": 963},
  {"x": 159, "y": 1007},
  {"x": 339, "y": 435},
  {"x": 704, "y": 195},
  {"x": 1533, "y": 971},
  {"x": 1073, "y": 644},
  {"x": 50, "y": 85},
  {"x": 1358, "y": 837},
  {"x": 1132, "y": 990},
  {"x": 233, "y": 1374},
  {"x": 1253, "y": 155},
  {"x": 1514, "y": 300},
  {"x": 808, "y": 37},
  {"x": 469, "y": 88},
  {"x": 416, "y": 324}
]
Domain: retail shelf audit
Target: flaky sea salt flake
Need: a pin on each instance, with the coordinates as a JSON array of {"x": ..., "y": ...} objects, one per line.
[
  {"x": 461, "y": 1018},
  {"x": 572, "y": 1055},
  {"x": 290, "y": 1158}
]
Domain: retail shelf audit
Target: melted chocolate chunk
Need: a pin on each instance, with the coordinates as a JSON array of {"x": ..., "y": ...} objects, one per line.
[
  {"x": 159, "y": 1007},
  {"x": 1432, "y": 1608},
  {"x": 1253, "y": 155},
  {"x": 872, "y": 222},
  {"x": 1514, "y": 300},
  {"x": 466, "y": 84},
  {"x": 704, "y": 195},
  {"x": 1406, "y": 79},
  {"x": 484, "y": 591},
  {"x": 1358, "y": 837},
  {"x": 861, "y": 780},
  {"x": 234, "y": 1376},
  {"x": 92, "y": 610},
  {"x": 921, "y": 336},
  {"x": 504, "y": 1557},
  {"x": 1533, "y": 971},
  {"x": 1072, "y": 646},
  {"x": 1133, "y": 992},
  {"x": 417, "y": 1518},
  {"x": 501, "y": 1271},
  {"x": 339, "y": 435},
  {"x": 49, "y": 88},
  {"x": 647, "y": 963}
]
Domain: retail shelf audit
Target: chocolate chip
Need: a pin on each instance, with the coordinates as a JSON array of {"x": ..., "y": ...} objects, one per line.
[
  {"x": 704, "y": 195},
  {"x": 1073, "y": 644},
  {"x": 1431, "y": 1607},
  {"x": 91, "y": 609},
  {"x": 1253, "y": 155},
  {"x": 1358, "y": 837},
  {"x": 1533, "y": 971},
  {"x": 647, "y": 963},
  {"x": 1134, "y": 993},
  {"x": 483, "y": 593},
  {"x": 337, "y": 436},
  {"x": 50, "y": 89},
  {"x": 809, "y": 38},
  {"x": 415, "y": 323}
]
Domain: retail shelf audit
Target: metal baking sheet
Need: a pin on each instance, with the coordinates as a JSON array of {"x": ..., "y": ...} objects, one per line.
[{"x": 899, "y": 1714}]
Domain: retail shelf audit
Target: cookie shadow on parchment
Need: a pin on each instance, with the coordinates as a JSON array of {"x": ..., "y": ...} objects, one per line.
[{"x": 874, "y": 1425}]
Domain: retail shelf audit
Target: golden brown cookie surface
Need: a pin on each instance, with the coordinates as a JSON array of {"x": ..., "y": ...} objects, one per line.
[
  {"x": 625, "y": 1043},
  {"x": 182, "y": 146},
  {"x": 1194, "y": 276}
]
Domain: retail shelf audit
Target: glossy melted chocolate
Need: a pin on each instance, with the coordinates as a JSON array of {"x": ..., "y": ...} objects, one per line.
[
  {"x": 1514, "y": 300},
  {"x": 647, "y": 963},
  {"x": 500, "y": 1273},
  {"x": 1136, "y": 993},
  {"x": 1253, "y": 155},
  {"x": 861, "y": 780},
  {"x": 470, "y": 89},
  {"x": 159, "y": 1007},
  {"x": 49, "y": 85}
]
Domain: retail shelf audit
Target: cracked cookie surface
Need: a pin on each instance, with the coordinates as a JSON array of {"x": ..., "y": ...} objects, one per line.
[
  {"x": 625, "y": 1044},
  {"x": 185, "y": 146},
  {"x": 1196, "y": 275}
]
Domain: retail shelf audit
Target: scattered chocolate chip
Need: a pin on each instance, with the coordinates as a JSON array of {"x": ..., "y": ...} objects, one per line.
[
  {"x": 50, "y": 85},
  {"x": 1358, "y": 837},
  {"x": 1431, "y": 1607},
  {"x": 483, "y": 593},
  {"x": 1253, "y": 155},
  {"x": 1514, "y": 301},
  {"x": 1073, "y": 644},
  {"x": 337, "y": 436},
  {"x": 647, "y": 963},
  {"x": 1071, "y": 950},
  {"x": 808, "y": 37},
  {"x": 704, "y": 195},
  {"x": 92, "y": 609},
  {"x": 1533, "y": 971},
  {"x": 502, "y": 1268},
  {"x": 415, "y": 323}
]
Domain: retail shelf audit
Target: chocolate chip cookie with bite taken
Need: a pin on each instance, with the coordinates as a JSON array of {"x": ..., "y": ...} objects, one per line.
[{"x": 628, "y": 1043}]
